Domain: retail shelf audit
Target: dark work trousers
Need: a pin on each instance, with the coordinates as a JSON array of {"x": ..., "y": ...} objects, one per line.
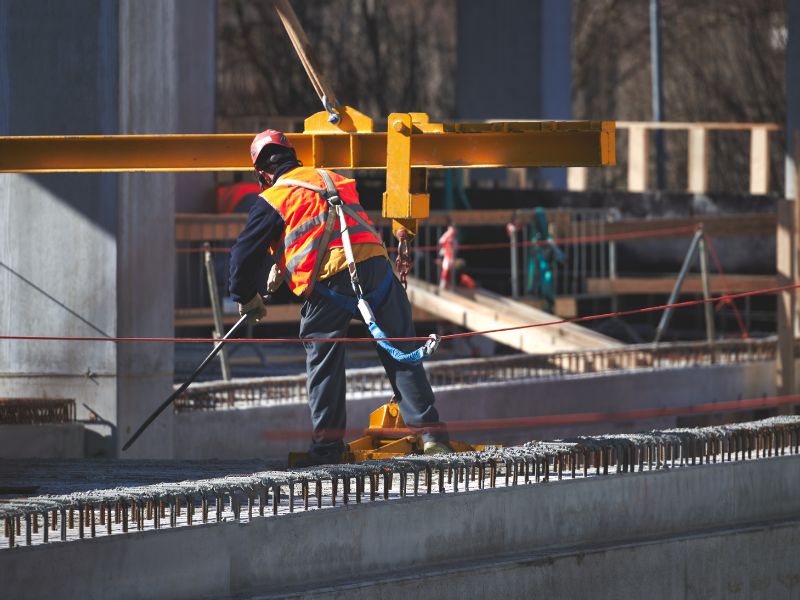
[{"x": 321, "y": 318}]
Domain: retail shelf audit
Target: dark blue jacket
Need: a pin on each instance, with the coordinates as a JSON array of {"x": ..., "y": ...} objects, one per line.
[{"x": 250, "y": 259}]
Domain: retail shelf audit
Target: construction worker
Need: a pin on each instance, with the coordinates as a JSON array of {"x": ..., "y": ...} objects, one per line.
[{"x": 289, "y": 229}]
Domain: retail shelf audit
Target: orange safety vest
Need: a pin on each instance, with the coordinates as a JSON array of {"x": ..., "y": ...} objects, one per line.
[{"x": 305, "y": 213}]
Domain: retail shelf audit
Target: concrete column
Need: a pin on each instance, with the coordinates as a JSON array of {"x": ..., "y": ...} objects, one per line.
[
  {"x": 788, "y": 214},
  {"x": 514, "y": 63},
  {"x": 792, "y": 91},
  {"x": 93, "y": 254}
]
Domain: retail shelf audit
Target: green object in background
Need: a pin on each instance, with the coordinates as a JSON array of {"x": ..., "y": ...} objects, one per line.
[{"x": 540, "y": 264}]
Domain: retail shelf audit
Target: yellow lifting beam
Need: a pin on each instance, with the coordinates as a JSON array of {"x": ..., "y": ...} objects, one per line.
[{"x": 410, "y": 145}]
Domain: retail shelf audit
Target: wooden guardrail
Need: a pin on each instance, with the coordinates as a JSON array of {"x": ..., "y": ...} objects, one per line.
[
  {"x": 208, "y": 227},
  {"x": 697, "y": 160}
]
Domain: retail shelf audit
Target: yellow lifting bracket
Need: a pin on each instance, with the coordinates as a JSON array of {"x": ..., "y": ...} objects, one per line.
[{"x": 386, "y": 437}]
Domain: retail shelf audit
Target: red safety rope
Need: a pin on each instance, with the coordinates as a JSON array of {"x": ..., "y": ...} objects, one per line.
[
  {"x": 449, "y": 336},
  {"x": 560, "y": 420}
]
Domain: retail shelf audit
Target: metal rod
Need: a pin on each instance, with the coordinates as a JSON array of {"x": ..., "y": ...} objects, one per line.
[
  {"x": 185, "y": 384},
  {"x": 216, "y": 309},
  {"x": 687, "y": 262},
  {"x": 512, "y": 234},
  {"x": 657, "y": 92},
  {"x": 709, "y": 309}
]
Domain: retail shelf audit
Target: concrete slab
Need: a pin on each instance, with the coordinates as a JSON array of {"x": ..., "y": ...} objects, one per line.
[{"x": 698, "y": 530}]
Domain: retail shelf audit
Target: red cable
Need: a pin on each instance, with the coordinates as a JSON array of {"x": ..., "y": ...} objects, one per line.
[
  {"x": 620, "y": 313},
  {"x": 574, "y": 418},
  {"x": 718, "y": 264}
]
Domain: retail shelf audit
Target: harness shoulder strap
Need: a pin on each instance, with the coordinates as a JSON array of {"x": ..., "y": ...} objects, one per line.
[
  {"x": 283, "y": 181},
  {"x": 330, "y": 222}
]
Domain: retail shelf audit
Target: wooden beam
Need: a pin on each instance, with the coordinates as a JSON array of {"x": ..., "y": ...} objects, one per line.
[
  {"x": 201, "y": 227},
  {"x": 692, "y": 285},
  {"x": 276, "y": 313},
  {"x": 577, "y": 179},
  {"x": 786, "y": 264},
  {"x": 759, "y": 161},
  {"x": 715, "y": 225},
  {"x": 638, "y": 159},
  {"x": 698, "y": 160},
  {"x": 482, "y": 310}
]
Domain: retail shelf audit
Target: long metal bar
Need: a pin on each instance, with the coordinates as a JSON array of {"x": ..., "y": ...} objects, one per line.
[
  {"x": 216, "y": 309},
  {"x": 687, "y": 262},
  {"x": 185, "y": 384},
  {"x": 584, "y": 144},
  {"x": 709, "y": 309},
  {"x": 512, "y": 234},
  {"x": 657, "y": 93}
]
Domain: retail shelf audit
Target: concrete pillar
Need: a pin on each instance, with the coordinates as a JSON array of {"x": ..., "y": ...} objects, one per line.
[
  {"x": 93, "y": 254},
  {"x": 514, "y": 62},
  {"x": 792, "y": 90},
  {"x": 788, "y": 214}
]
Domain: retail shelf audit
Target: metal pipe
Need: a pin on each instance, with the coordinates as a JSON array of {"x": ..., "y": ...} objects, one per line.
[
  {"x": 709, "y": 309},
  {"x": 657, "y": 92},
  {"x": 512, "y": 234},
  {"x": 216, "y": 309},
  {"x": 667, "y": 315}
]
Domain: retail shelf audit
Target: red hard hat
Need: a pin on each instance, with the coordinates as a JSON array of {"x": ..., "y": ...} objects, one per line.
[{"x": 266, "y": 137}]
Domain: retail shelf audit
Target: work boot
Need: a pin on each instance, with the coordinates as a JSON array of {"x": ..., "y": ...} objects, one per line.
[
  {"x": 436, "y": 448},
  {"x": 315, "y": 460},
  {"x": 321, "y": 454}
]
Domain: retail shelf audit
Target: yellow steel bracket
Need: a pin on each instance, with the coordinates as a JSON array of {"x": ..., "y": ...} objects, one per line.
[{"x": 406, "y": 198}]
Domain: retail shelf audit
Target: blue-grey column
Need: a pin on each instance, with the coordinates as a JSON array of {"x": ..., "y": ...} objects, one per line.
[
  {"x": 514, "y": 62},
  {"x": 58, "y": 233},
  {"x": 792, "y": 90},
  {"x": 93, "y": 254},
  {"x": 166, "y": 85}
]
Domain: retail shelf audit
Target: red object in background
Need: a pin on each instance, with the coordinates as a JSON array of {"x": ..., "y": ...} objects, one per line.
[
  {"x": 230, "y": 197},
  {"x": 466, "y": 281},
  {"x": 447, "y": 251}
]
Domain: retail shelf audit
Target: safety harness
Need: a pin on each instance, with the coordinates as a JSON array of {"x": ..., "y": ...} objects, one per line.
[{"x": 361, "y": 303}]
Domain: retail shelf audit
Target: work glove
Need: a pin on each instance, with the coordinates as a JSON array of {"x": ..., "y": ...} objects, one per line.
[
  {"x": 275, "y": 279},
  {"x": 254, "y": 309}
]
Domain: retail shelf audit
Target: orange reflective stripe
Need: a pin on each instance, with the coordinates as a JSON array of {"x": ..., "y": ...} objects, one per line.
[{"x": 304, "y": 212}]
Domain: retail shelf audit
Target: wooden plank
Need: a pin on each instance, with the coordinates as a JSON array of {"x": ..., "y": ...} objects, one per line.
[
  {"x": 276, "y": 313},
  {"x": 201, "y": 317},
  {"x": 698, "y": 160},
  {"x": 202, "y": 227},
  {"x": 692, "y": 285},
  {"x": 208, "y": 227},
  {"x": 638, "y": 155},
  {"x": 759, "y": 161},
  {"x": 786, "y": 264},
  {"x": 714, "y": 225},
  {"x": 708, "y": 125},
  {"x": 489, "y": 311},
  {"x": 577, "y": 179}
]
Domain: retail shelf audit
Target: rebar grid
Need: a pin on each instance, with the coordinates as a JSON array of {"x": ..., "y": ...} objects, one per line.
[
  {"x": 98, "y": 513},
  {"x": 291, "y": 389}
]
